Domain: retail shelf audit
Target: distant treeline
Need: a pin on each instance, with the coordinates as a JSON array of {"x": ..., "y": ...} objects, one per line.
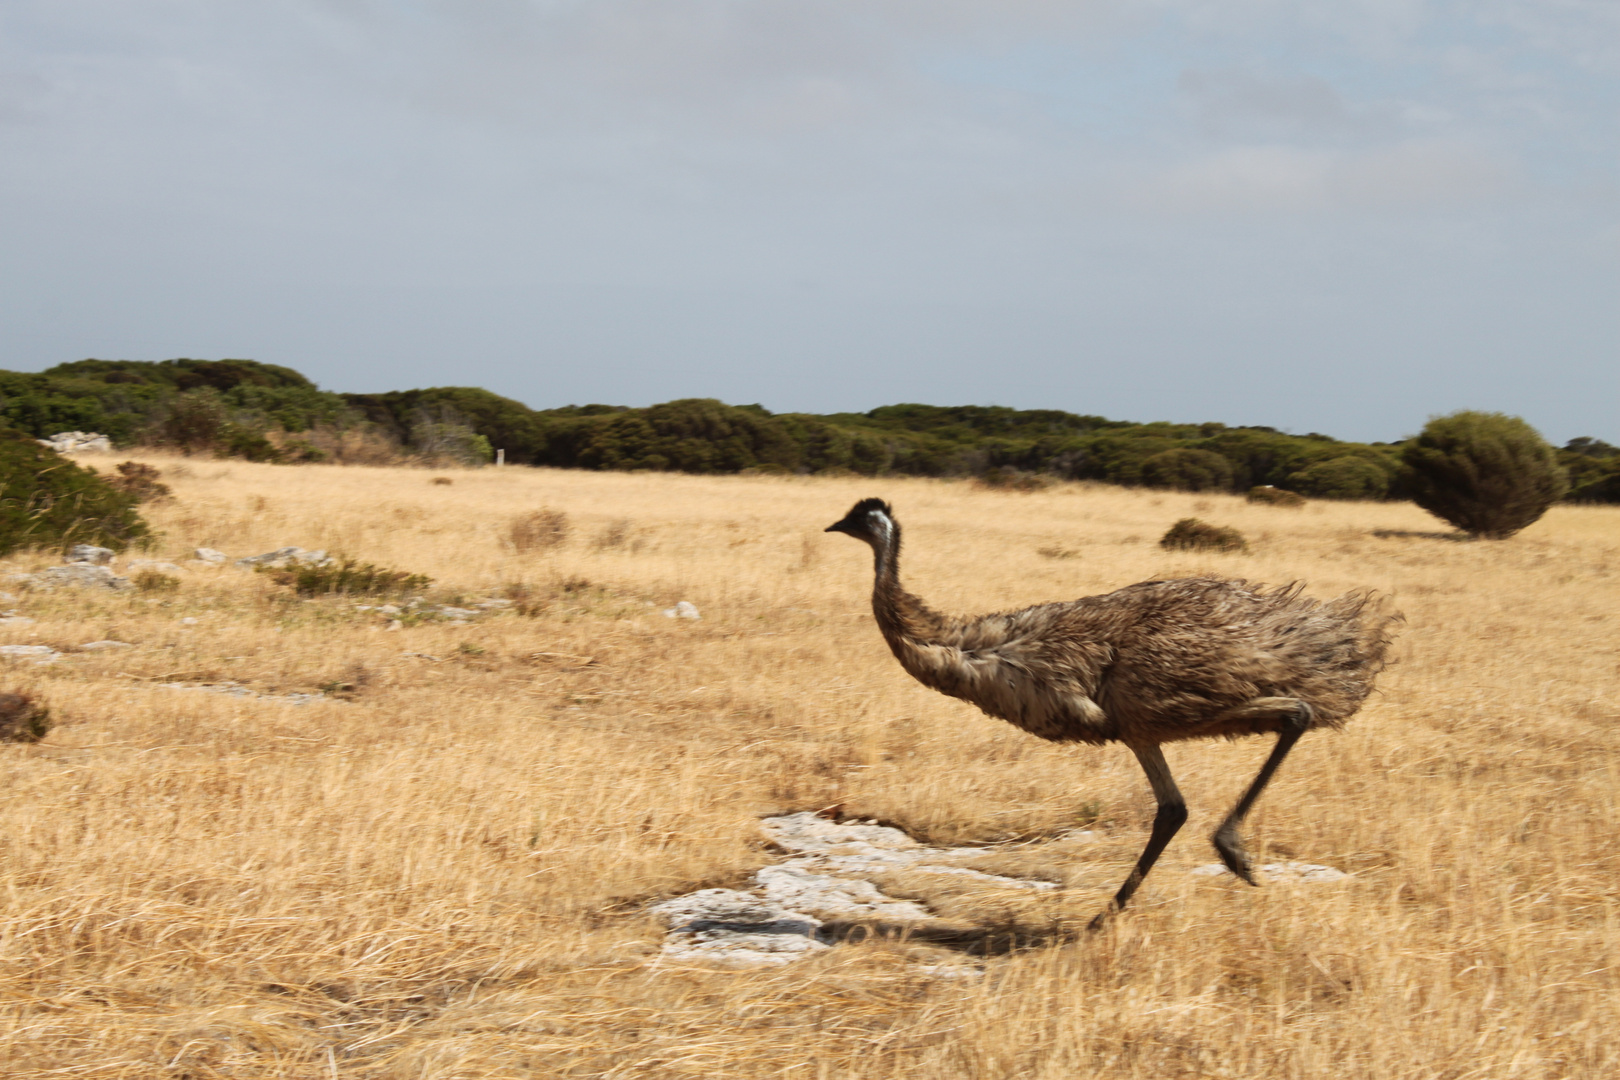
[{"x": 264, "y": 412}]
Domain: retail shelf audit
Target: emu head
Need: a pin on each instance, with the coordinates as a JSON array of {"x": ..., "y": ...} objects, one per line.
[{"x": 871, "y": 520}]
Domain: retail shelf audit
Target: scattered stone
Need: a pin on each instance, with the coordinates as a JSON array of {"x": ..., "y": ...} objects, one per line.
[
  {"x": 458, "y": 612},
  {"x": 40, "y": 654},
  {"x": 683, "y": 610},
  {"x": 730, "y": 929},
  {"x": 209, "y": 555},
  {"x": 825, "y": 878},
  {"x": 78, "y": 442},
  {"x": 1288, "y": 871},
  {"x": 74, "y": 575},
  {"x": 15, "y": 620},
  {"x": 395, "y": 625},
  {"x": 388, "y": 609},
  {"x": 234, "y": 689},
  {"x": 189, "y": 620},
  {"x": 89, "y": 553},
  {"x": 98, "y": 646},
  {"x": 285, "y": 556},
  {"x": 488, "y": 604}
]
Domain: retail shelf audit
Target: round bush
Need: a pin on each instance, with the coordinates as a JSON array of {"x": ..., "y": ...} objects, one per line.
[
  {"x": 1488, "y": 474},
  {"x": 1348, "y": 477},
  {"x": 1185, "y": 469},
  {"x": 46, "y": 501},
  {"x": 1190, "y": 534}
]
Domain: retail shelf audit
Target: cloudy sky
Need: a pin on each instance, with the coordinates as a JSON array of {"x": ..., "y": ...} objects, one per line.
[{"x": 1329, "y": 215}]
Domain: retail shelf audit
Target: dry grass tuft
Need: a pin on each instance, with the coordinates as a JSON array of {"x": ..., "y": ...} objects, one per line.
[
  {"x": 538, "y": 530},
  {"x": 1190, "y": 534},
  {"x": 438, "y": 868}
]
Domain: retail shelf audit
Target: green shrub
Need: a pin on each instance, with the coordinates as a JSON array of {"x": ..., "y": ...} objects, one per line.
[
  {"x": 1190, "y": 534},
  {"x": 47, "y": 501},
  {"x": 1008, "y": 478},
  {"x": 348, "y": 577},
  {"x": 22, "y": 719},
  {"x": 1594, "y": 470},
  {"x": 141, "y": 481},
  {"x": 1267, "y": 495},
  {"x": 1347, "y": 477},
  {"x": 1488, "y": 474},
  {"x": 1186, "y": 469}
]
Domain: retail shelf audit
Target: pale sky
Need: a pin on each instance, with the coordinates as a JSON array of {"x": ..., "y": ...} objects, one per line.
[{"x": 1338, "y": 215}]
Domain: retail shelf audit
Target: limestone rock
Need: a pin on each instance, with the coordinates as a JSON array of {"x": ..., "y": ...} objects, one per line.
[
  {"x": 154, "y": 564},
  {"x": 726, "y": 928},
  {"x": 284, "y": 556},
  {"x": 99, "y": 646},
  {"x": 89, "y": 553},
  {"x": 78, "y": 442},
  {"x": 15, "y": 620},
  {"x": 683, "y": 610},
  {"x": 73, "y": 575},
  {"x": 40, "y": 654},
  {"x": 209, "y": 555}
]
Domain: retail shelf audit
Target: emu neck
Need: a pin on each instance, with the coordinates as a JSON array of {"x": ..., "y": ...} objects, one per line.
[{"x": 906, "y": 622}]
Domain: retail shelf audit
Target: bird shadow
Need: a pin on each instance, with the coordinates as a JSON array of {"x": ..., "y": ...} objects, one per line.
[
  {"x": 1414, "y": 534},
  {"x": 993, "y": 939}
]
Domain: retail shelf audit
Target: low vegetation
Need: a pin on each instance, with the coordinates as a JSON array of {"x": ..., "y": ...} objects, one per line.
[
  {"x": 240, "y": 408},
  {"x": 1190, "y": 534},
  {"x": 347, "y": 577},
  {"x": 438, "y": 864},
  {"x": 49, "y": 502}
]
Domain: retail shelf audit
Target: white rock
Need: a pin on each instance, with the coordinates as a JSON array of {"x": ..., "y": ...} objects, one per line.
[
  {"x": 726, "y": 928},
  {"x": 1288, "y": 871},
  {"x": 683, "y": 610},
  {"x": 800, "y": 889},
  {"x": 77, "y": 442},
  {"x": 89, "y": 553},
  {"x": 209, "y": 555},
  {"x": 97, "y": 646},
  {"x": 808, "y": 832},
  {"x": 15, "y": 620},
  {"x": 39, "y": 653},
  {"x": 459, "y": 612},
  {"x": 153, "y": 564},
  {"x": 74, "y": 575},
  {"x": 279, "y": 557}
]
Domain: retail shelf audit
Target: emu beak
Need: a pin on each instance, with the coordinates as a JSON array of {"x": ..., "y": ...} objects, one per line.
[{"x": 839, "y": 526}]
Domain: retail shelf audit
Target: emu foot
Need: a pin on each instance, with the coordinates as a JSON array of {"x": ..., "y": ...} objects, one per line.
[{"x": 1230, "y": 848}]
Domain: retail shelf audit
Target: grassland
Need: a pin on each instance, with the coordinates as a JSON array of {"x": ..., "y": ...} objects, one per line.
[{"x": 440, "y": 870}]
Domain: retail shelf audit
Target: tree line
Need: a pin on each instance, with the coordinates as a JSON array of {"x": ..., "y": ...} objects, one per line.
[{"x": 242, "y": 408}]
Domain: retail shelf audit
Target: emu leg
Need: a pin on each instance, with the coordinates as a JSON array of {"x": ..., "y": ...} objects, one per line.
[
  {"x": 1171, "y": 816},
  {"x": 1227, "y": 841}
]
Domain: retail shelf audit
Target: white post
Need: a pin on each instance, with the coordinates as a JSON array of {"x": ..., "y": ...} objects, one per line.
[{"x": 500, "y": 458}]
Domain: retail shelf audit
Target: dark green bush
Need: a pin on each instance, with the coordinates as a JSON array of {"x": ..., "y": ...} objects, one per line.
[
  {"x": 349, "y": 577},
  {"x": 140, "y": 480},
  {"x": 1488, "y": 474},
  {"x": 1185, "y": 469},
  {"x": 1594, "y": 470},
  {"x": 46, "y": 501},
  {"x": 1190, "y": 534},
  {"x": 1346, "y": 477}
]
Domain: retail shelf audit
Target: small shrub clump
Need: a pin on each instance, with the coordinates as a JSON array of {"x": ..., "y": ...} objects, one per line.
[
  {"x": 23, "y": 719},
  {"x": 442, "y": 481},
  {"x": 538, "y": 530},
  {"x": 1488, "y": 474},
  {"x": 1267, "y": 495},
  {"x": 1190, "y": 534},
  {"x": 1007, "y": 478},
  {"x": 48, "y": 501},
  {"x": 154, "y": 581},
  {"x": 140, "y": 480},
  {"x": 348, "y": 577}
]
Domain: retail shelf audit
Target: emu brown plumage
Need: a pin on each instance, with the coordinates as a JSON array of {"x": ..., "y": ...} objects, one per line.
[{"x": 1155, "y": 662}]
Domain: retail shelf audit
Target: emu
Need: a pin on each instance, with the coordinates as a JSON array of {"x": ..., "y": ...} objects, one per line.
[{"x": 1155, "y": 662}]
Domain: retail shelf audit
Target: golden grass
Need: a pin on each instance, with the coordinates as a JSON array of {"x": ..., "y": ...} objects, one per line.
[{"x": 444, "y": 876}]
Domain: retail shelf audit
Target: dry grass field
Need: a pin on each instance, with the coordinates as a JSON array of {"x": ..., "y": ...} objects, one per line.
[{"x": 441, "y": 868}]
